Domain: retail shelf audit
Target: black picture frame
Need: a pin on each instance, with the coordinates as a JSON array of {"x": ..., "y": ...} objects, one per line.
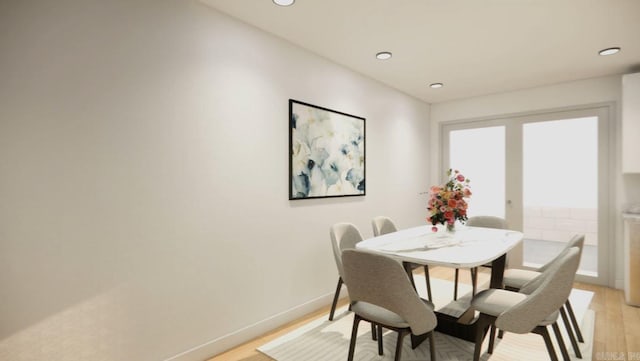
[{"x": 327, "y": 152}]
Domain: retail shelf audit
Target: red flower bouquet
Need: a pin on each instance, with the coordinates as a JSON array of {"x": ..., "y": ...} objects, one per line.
[{"x": 447, "y": 203}]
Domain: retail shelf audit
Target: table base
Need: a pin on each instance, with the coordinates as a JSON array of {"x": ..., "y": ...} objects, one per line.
[{"x": 464, "y": 326}]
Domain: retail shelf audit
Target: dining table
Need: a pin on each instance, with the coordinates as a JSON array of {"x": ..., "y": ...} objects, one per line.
[{"x": 466, "y": 247}]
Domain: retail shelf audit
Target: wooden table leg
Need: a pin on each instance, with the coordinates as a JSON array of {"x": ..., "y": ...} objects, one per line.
[{"x": 497, "y": 271}]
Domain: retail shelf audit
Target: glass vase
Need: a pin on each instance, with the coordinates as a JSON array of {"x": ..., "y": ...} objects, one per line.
[{"x": 451, "y": 228}]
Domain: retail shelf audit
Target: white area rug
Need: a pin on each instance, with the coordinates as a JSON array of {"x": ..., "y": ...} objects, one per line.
[{"x": 323, "y": 340}]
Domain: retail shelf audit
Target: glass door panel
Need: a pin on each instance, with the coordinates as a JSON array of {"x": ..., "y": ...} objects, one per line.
[
  {"x": 548, "y": 175},
  {"x": 479, "y": 154},
  {"x": 560, "y": 189}
]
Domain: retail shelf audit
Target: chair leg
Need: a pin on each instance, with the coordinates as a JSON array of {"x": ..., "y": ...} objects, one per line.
[
  {"x": 427, "y": 279},
  {"x": 542, "y": 331},
  {"x": 354, "y": 336},
  {"x": 407, "y": 268},
  {"x": 561, "y": 345},
  {"x": 335, "y": 299},
  {"x": 474, "y": 280},
  {"x": 455, "y": 285},
  {"x": 380, "y": 348},
  {"x": 481, "y": 330},
  {"x": 572, "y": 337},
  {"x": 574, "y": 322},
  {"x": 492, "y": 338},
  {"x": 500, "y": 334},
  {"x": 374, "y": 331},
  {"x": 401, "y": 335},
  {"x": 432, "y": 345}
]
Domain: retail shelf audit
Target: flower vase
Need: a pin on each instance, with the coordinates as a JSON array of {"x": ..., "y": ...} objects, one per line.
[{"x": 451, "y": 228}]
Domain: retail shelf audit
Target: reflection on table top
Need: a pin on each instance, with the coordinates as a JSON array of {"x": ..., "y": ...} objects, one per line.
[{"x": 465, "y": 248}]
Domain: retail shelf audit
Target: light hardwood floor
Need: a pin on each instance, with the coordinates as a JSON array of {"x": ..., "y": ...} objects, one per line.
[{"x": 616, "y": 334}]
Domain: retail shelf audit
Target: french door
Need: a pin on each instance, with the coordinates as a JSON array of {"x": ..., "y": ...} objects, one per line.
[{"x": 546, "y": 174}]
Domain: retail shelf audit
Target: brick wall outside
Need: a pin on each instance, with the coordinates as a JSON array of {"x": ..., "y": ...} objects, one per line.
[{"x": 560, "y": 224}]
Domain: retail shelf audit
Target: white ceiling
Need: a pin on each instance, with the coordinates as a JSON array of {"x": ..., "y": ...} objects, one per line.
[{"x": 474, "y": 47}]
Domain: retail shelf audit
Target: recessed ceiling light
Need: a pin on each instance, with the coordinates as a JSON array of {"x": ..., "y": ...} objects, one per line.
[
  {"x": 284, "y": 2},
  {"x": 383, "y": 55},
  {"x": 436, "y": 85},
  {"x": 609, "y": 51}
]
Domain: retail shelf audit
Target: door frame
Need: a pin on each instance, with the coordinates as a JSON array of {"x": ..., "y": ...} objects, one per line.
[{"x": 513, "y": 143}]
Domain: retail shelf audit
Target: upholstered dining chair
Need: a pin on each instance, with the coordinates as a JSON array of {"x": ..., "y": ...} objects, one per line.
[
  {"x": 525, "y": 280},
  {"x": 343, "y": 236},
  {"x": 521, "y": 313},
  {"x": 381, "y": 293},
  {"x": 478, "y": 221},
  {"x": 383, "y": 225},
  {"x": 346, "y": 236}
]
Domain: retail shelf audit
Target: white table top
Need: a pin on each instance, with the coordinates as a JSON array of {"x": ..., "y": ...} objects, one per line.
[{"x": 467, "y": 247}]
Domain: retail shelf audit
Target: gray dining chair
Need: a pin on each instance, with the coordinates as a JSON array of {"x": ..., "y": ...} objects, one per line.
[
  {"x": 381, "y": 293},
  {"x": 345, "y": 236},
  {"x": 522, "y": 313},
  {"x": 478, "y": 221},
  {"x": 384, "y": 225},
  {"x": 522, "y": 280}
]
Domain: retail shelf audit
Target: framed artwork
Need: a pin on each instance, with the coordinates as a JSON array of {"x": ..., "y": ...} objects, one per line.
[{"x": 326, "y": 152}]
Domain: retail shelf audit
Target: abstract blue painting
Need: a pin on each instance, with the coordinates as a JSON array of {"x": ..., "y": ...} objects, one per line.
[{"x": 326, "y": 152}]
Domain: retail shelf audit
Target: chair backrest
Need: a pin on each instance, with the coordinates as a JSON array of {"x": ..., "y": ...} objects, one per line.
[
  {"x": 343, "y": 236},
  {"x": 575, "y": 241},
  {"x": 383, "y": 225},
  {"x": 546, "y": 299},
  {"x": 382, "y": 281},
  {"x": 487, "y": 222}
]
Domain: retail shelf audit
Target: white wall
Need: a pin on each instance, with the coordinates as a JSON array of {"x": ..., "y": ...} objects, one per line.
[
  {"x": 624, "y": 189},
  {"x": 143, "y": 182}
]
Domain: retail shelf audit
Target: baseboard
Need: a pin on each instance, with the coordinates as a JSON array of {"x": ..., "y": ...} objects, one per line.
[
  {"x": 231, "y": 340},
  {"x": 619, "y": 284}
]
